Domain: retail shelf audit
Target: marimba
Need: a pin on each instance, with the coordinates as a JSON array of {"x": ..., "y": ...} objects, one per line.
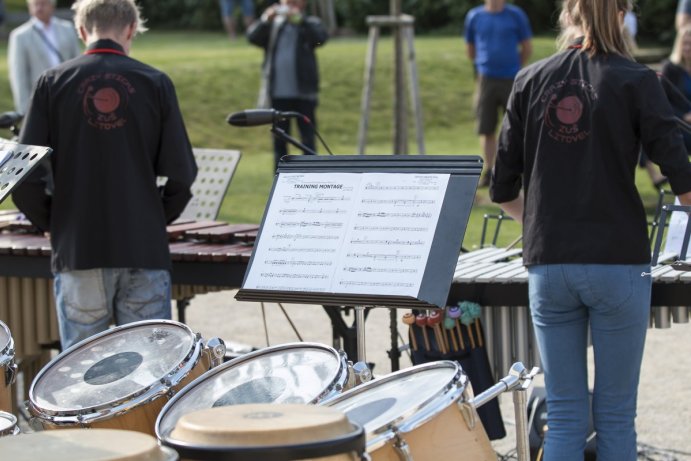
[
  {"x": 496, "y": 279},
  {"x": 207, "y": 256}
]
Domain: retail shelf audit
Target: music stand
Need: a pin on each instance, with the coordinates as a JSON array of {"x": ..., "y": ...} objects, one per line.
[
  {"x": 16, "y": 162},
  {"x": 682, "y": 263},
  {"x": 363, "y": 231}
]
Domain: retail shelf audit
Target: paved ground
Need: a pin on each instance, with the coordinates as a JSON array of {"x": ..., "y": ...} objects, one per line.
[{"x": 664, "y": 415}]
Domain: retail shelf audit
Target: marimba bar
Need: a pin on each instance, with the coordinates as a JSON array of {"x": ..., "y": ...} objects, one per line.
[{"x": 496, "y": 279}]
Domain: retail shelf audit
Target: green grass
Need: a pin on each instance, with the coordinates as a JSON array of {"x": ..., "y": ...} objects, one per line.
[{"x": 214, "y": 77}]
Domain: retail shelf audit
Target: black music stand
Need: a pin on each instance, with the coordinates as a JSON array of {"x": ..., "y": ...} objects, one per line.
[
  {"x": 363, "y": 231},
  {"x": 16, "y": 162},
  {"x": 682, "y": 263}
]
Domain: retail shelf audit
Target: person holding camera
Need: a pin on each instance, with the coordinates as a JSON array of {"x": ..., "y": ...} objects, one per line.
[{"x": 290, "y": 74}]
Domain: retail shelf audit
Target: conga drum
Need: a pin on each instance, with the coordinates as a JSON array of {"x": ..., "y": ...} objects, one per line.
[
  {"x": 85, "y": 445},
  {"x": 288, "y": 373},
  {"x": 419, "y": 413},
  {"x": 8, "y": 424},
  {"x": 267, "y": 432},
  {"x": 118, "y": 379},
  {"x": 8, "y": 369}
]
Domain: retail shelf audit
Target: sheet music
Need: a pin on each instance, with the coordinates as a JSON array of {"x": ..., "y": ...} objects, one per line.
[
  {"x": 676, "y": 231},
  {"x": 364, "y": 233}
]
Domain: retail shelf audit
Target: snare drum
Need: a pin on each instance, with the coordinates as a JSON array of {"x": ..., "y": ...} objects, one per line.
[
  {"x": 267, "y": 432},
  {"x": 8, "y": 369},
  {"x": 118, "y": 379},
  {"x": 418, "y": 413},
  {"x": 85, "y": 445},
  {"x": 8, "y": 424},
  {"x": 289, "y": 373}
]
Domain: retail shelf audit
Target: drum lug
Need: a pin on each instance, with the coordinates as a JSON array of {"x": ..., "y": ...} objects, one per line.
[
  {"x": 469, "y": 414},
  {"x": 11, "y": 374},
  {"x": 362, "y": 372},
  {"x": 217, "y": 351},
  {"x": 401, "y": 446}
]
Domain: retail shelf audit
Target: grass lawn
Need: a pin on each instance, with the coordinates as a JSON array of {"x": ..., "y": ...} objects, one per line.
[{"x": 215, "y": 77}]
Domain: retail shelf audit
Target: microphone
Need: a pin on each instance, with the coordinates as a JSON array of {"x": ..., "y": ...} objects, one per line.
[
  {"x": 9, "y": 119},
  {"x": 256, "y": 117}
]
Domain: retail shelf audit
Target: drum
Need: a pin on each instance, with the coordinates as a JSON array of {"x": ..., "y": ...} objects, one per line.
[
  {"x": 8, "y": 369},
  {"x": 8, "y": 424},
  {"x": 418, "y": 413},
  {"x": 118, "y": 379},
  {"x": 288, "y": 373},
  {"x": 267, "y": 432},
  {"x": 85, "y": 445}
]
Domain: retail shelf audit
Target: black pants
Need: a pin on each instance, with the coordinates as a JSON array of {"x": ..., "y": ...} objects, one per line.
[{"x": 306, "y": 108}]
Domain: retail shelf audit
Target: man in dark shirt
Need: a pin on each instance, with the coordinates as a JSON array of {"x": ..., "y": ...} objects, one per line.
[
  {"x": 290, "y": 74},
  {"x": 114, "y": 125}
]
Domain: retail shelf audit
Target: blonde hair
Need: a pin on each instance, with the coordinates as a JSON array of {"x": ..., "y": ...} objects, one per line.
[
  {"x": 598, "y": 22},
  {"x": 107, "y": 15},
  {"x": 677, "y": 56}
]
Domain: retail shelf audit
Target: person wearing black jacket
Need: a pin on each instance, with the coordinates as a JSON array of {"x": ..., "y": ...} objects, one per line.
[
  {"x": 565, "y": 168},
  {"x": 290, "y": 73},
  {"x": 114, "y": 126}
]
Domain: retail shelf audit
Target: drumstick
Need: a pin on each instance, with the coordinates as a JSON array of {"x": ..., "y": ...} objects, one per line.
[
  {"x": 454, "y": 312},
  {"x": 479, "y": 332},
  {"x": 409, "y": 319},
  {"x": 433, "y": 320},
  {"x": 421, "y": 321},
  {"x": 470, "y": 337},
  {"x": 449, "y": 325}
]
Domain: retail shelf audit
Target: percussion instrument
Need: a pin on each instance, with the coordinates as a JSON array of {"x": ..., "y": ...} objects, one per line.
[
  {"x": 120, "y": 378},
  {"x": 8, "y": 424},
  {"x": 8, "y": 369},
  {"x": 421, "y": 413},
  {"x": 85, "y": 445},
  {"x": 267, "y": 432},
  {"x": 289, "y": 373}
]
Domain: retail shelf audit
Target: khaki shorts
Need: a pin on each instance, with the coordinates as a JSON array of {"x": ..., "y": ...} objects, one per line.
[{"x": 491, "y": 96}]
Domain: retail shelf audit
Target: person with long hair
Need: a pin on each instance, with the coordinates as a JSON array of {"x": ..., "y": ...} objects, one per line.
[
  {"x": 565, "y": 169},
  {"x": 677, "y": 71}
]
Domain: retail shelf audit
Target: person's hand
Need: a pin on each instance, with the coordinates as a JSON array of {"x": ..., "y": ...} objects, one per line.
[
  {"x": 270, "y": 13},
  {"x": 687, "y": 117}
]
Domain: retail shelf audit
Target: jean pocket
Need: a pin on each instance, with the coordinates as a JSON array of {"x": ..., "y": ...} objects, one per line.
[
  {"x": 148, "y": 293},
  {"x": 611, "y": 286},
  {"x": 84, "y": 296}
]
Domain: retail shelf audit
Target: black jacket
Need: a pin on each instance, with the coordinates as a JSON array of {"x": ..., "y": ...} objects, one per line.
[
  {"x": 571, "y": 138},
  {"x": 114, "y": 125}
]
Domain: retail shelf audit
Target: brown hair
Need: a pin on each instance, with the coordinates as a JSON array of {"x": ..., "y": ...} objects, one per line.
[
  {"x": 598, "y": 22},
  {"x": 677, "y": 57}
]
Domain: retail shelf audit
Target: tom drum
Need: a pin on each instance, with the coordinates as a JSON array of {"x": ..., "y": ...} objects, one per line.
[{"x": 118, "y": 379}]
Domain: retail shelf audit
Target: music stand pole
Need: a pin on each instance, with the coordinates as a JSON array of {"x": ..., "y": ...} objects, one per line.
[
  {"x": 280, "y": 133},
  {"x": 360, "y": 330}
]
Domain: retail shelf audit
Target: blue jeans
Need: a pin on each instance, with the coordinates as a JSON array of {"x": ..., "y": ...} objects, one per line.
[
  {"x": 614, "y": 300},
  {"x": 227, "y": 7},
  {"x": 88, "y": 301}
]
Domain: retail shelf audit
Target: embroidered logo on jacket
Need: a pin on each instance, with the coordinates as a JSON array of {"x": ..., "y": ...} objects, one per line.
[
  {"x": 565, "y": 103},
  {"x": 105, "y": 98}
]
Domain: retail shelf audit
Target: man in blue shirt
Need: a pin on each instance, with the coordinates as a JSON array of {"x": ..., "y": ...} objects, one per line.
[{"x": 498, "y": 39}]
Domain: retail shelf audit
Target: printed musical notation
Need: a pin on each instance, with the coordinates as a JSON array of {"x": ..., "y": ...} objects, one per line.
[{"x": 376, "y": 229}]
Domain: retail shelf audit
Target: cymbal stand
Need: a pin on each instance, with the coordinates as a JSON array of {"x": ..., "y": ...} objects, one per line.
[{"x": 517, "y": 381}]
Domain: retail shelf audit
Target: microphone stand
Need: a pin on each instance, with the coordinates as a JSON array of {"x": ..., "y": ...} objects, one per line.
[{"x": 280, "y": 133}]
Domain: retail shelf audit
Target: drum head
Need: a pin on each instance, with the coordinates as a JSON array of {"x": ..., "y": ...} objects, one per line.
[
  {"x": 298, "y": 373},
  {"x": 7, "y": 423},
  {"x": 112, "y": 367},
  {"x": 407, "y": 395},
  {"x": 5, "y": 341},
  {"x": 267, "y": 432},
  {"x": 82, "y": 445}
]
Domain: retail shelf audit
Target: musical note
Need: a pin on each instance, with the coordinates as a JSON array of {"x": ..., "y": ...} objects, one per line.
[
  {"x": 327, "y": 225},
  {"x": 287, "y": 236},
  {"x": 347, "y": 283},
  {"x": 383, "y": 270},
  {"x": 384, "y": 257},
  {"x": 286, "y": 275},
  {"x": 386, "y": 242},
  {"x": 390, "y": 228},
  {"x": 283, "y": 262},
  {"x": 398, "y": 201},
  {"x": 383, "y": 214}
]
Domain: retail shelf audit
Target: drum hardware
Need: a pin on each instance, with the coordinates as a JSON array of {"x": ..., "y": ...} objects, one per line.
[
  {"x": 216, "y": 348},
  {"x": 360, "y": 373},
  {"x": 401, "y": 446},
  {"x": 518, "y": 381}
]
